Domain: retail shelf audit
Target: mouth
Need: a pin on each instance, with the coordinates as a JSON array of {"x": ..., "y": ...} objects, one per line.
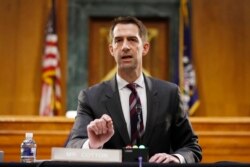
[{"x": 126, "y": 57}]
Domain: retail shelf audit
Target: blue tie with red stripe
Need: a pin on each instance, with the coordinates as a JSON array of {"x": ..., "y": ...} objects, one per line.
[{"x": 136, "y": 121}]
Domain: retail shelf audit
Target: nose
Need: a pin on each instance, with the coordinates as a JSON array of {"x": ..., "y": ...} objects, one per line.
[{"x": 125, "y": 45}]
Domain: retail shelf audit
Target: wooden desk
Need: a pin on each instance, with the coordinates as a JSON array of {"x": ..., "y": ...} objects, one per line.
[
  {"x": 123, "y": 164},
  {"x": 222, "y": 139},
  {"x": 48, "y": 132}
]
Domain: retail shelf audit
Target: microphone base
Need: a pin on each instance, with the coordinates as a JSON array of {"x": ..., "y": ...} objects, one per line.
[{"x": 133, "y": 154}]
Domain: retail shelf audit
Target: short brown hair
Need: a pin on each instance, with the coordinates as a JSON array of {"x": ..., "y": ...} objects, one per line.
[{"x": 129, "y": 20}]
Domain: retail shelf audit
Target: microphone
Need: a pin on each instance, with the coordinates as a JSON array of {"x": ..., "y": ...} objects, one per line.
[
  {"x": 138, "y": 108},
  {"x": 140, "y": 161}
]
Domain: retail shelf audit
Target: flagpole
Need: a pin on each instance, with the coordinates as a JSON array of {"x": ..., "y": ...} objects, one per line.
[{"x": 181, "y": 46}]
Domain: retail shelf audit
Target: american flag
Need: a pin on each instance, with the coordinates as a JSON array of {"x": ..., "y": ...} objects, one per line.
[{"x": 50, "y": 103}]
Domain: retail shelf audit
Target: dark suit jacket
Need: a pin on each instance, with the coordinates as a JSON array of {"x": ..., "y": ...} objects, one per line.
[{"x": 167, "y": 128}]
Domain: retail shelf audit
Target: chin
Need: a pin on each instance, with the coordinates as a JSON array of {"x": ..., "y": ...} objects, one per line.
[{"x": 128, "y": 68}]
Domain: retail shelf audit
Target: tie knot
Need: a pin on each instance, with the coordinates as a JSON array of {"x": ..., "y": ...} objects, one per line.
[{"x": 132, "y": 87}]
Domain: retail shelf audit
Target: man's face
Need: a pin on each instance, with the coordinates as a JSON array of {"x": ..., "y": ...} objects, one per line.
[{"x": 127, "y": 47}]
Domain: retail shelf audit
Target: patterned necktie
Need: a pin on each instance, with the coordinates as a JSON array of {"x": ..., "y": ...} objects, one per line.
[{"x": 136, "y": 121}]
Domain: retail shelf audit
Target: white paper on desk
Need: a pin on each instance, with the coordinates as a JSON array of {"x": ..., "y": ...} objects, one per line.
[{"x": 86, "y": 155}]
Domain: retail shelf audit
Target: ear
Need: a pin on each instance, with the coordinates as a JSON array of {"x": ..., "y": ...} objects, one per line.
[
  {"x": 146, "y": 47},
  {"x": 111, "y": 49}
]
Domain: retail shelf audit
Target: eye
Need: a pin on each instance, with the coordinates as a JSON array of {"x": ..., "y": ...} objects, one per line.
[
  {"x": 133, "y": 39},
  {"x": 117, "y": 40}
]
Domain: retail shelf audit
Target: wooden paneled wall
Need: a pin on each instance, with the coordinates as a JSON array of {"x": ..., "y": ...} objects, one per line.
[
  {"x": 22, "y": 35},
  {"x": 221, "y": 139},
  {"x": 221, "y": 50},
  {"x": 221, "y": 40}
]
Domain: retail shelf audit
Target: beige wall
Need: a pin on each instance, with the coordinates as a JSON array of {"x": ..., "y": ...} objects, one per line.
[{"x": 221, "y": 40}]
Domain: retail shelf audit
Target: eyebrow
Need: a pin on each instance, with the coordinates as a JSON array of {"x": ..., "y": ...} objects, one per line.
[{"x": 131, "y": 36}]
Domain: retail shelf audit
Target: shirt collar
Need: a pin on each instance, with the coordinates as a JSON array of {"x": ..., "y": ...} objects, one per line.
[{"x": 122, "y": 83}]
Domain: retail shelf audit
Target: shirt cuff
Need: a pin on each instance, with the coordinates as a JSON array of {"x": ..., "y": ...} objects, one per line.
[
  {"x": 181, "y": 158},
  {"x": 86, "y": 144}
]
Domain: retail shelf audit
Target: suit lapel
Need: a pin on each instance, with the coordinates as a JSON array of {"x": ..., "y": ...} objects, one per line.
[
  {"x": 114, "y": 108},
  {"x": 152, "y": 108}
]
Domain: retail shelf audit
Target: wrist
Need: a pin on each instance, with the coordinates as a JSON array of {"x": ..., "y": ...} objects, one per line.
[
  {"x": 91, "y": 146},
  {"x": 180, "y": 158}
]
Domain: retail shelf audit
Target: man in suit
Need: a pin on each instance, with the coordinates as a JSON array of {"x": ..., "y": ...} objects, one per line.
[{"x": 104, "y": 110}]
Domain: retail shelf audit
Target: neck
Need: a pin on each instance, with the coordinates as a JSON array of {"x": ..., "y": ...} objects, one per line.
[{"x": 129, "y": 75}]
